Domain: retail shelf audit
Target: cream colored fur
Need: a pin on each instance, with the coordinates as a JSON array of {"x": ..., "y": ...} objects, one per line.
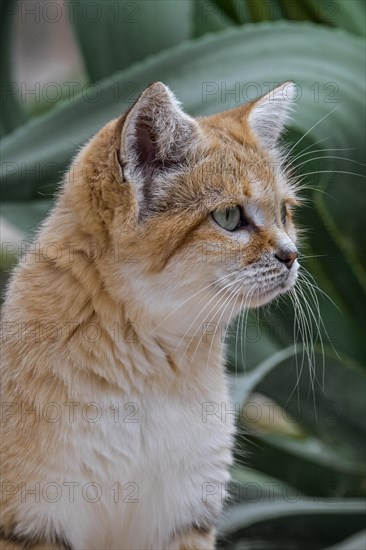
[{"x": 112, "y": 348}]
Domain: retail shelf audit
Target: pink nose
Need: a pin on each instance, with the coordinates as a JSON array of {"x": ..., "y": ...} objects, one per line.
[{"x": 287, "y": 256}]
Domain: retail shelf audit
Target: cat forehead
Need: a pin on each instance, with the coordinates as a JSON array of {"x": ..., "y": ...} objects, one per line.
[
  {"x": 232, "y": 151},
  {"x": 229, "y": 170}
]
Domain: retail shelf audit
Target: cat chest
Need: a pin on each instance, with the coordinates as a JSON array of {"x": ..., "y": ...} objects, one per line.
[{"x": 159, "y": 467}]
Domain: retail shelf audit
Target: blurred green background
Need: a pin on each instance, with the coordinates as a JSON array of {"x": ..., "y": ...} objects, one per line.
[{"x": 68, "y": 67}]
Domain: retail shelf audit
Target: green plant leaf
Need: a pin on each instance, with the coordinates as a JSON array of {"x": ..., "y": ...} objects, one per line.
[
  {"x": 357, "y": 542},
  {"x": 262, "y": 10},
  {"x": 229, "y": 8},
  {"x": 113, "y": 35},
  {"x": 350, "y": 15},
  {"x": 209, "y": 69},
  {"x": 26, "y": 216},
  {"x": 243, "y": 385},
  {"x": 337, "y": 413},
  {"x": 299, "y": 11},
  {"x": 208, "y": 17},
  {"x": 12, "y": 114},
  {"x": 290, "y": 524},
  {"x": 306, "y": 464},
  {"x": 249, "y": 343},
  {"x": 336, "y": 266},
  {"x": 330, "y": 443}
]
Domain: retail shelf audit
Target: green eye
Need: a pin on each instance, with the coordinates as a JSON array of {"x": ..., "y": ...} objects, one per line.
[{"x": 228, "y": 218}]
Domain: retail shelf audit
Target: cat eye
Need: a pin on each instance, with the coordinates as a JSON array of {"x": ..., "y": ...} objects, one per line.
[
  {"x": 283, "y": 214},
  {"x": 229, "y": 218}
]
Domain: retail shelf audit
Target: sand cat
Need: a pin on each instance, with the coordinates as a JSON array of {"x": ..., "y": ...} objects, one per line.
[{"x": 112, "y": 351}]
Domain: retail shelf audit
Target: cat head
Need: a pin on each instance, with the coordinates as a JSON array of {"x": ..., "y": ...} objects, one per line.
[{"x": 196, "y": 209}]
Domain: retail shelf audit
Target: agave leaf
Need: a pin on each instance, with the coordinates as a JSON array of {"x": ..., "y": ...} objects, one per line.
[
  {"x": 298, "y": 11},
  {"x": 313, "y": 450},
  {"x": 113, "y": 35},
  {"x": 250, "y": 11},
  {"x": 249, "y": 485},
  {"x": 321, "y": 253},
  {"x": 245, "y": 476},
  {"x": 350, "y": 15},
  {"x": 243, "y": 385},
  {"x": 336, "y": 225},
  {"x": 243, "y": 516},
  {"x": 263, "y": 11},
  {"x": 331, "y": 441},
  {"x": 336, "y": 414},
  {"x": 341, "y": 210},
  {"x": 26, "y": 216},
  {"x": 208, "y": 17},
  {"x": 249, "y": 343},
  {"x": 356, "y": 542},
  {"x": 209, "y": 68},
  {"x": 306, "y": 464},
  {"x": 291, "y": 524},
  {"x": 229, "y": 8},
  {"x": 12, "y": 111}
]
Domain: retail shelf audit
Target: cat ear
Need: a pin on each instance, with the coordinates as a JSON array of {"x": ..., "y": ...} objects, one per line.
[
  {"x": 269, "y": 114},
  {"x": 156, "y": 135}
]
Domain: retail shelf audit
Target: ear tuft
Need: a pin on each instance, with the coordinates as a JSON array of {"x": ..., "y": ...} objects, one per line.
[{"x": 269, "y": 114}]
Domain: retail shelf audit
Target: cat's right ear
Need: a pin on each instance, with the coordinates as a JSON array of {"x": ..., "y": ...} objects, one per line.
[{"x": 156, "y": 138}]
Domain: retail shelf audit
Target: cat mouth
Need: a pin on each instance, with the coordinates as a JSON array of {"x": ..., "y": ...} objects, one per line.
[{"x": 266, "y": 295}]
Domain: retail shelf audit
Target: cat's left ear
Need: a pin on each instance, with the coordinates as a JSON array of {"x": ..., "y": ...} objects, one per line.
[
  {"x": 269, "y": 114},
  {"x": 156, "y": 137}
]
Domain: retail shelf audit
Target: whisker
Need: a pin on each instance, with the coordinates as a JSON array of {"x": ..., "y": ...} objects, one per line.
[
  {"x": 222, "y": 307},
  {"x": 237, "y": 336},
  {"x": 236, "y": 294},
  {"x": 329, "y": 157},
  {"x": 215, "y": 282},
  {"x": 213, "y": 298},
  {"x": 308, "y": 147},
  {"x": 315, "y": 125},
  {"x": 303, "y": 154},
  {"x": 312, "y": 289},
  {"x": 229, "y": 285},
  {"x": 244, "y": 319},
  {"x": 334, "y": 172},
  {"x": 303, "y": 273}
]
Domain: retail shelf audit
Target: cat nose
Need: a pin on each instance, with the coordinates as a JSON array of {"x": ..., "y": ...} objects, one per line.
[{"x": 287, "y": 255}]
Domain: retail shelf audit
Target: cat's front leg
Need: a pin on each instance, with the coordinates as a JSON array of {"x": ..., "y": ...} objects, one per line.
[{"x": 195, "y": 539}]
